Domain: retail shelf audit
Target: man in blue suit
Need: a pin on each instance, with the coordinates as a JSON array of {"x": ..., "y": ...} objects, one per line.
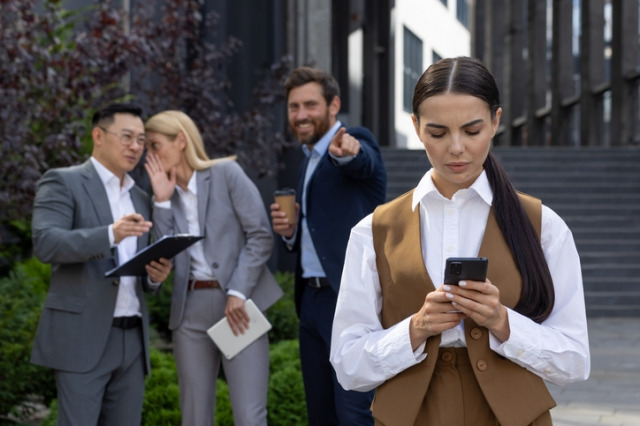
[{"x": 341, "y": 180}]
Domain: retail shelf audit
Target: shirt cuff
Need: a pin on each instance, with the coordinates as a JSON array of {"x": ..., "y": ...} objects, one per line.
[
  {"x": 236, "y": 294},
  {"x": 398, "y": 342},
  {"x": 523, "y": 339},
  {"x": 163, "y": 204},
  {"x": 290, "y": 241},
  {"x": 152, "y": 285},
  {"x": 112, "y": 237},
  {"x": 341, "y": 161}
]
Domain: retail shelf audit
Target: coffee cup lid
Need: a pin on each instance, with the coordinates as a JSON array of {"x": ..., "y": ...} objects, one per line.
[{"x": 284, "y": 191}]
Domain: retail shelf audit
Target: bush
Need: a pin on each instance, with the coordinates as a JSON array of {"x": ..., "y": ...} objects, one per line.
[
  {"x": 161, "y": 397},
  {"x": 159, "y": 308},
  {"x": 286, "y": 400},
  {"x": 161, "y": 406},
  {"x": 53, "y": 414},
  {"x": 282, "y": 315},
  {"x": 224, "y": 412},
  {"x": 23, "y": 293}
]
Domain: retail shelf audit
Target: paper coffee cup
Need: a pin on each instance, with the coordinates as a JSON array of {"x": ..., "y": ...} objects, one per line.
[{"x": 286, "y": 198}]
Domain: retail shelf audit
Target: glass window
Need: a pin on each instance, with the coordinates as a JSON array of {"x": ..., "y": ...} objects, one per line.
[
  {"x": 412, "y": 66},
  {"x": 462, "y": 12}
]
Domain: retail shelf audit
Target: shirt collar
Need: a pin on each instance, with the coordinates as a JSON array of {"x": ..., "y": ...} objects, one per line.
[
  {"x": 192, "y": 186},
  {"x": 426, "y": 188},
  {"x": 320, "y": 147},
  {"x": 106, "y": 176}
]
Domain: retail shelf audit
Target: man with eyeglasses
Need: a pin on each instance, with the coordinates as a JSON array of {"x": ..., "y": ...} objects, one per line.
[{"x": 93, "y": 331}]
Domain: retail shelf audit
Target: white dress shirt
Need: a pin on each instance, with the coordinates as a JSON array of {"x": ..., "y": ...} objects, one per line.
[
  {"x": 309, "y": 260},
  {"x": 365, "y": 355},
  {"x": 127, "y": 303},
  {"x": 200, "y": 268}
]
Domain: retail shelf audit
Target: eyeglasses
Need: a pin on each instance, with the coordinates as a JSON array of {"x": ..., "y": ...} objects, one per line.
[{"x": 126, "y": 139}]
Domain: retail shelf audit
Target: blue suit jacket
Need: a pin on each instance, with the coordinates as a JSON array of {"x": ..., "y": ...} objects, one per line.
[{"x": 338, "y": 197}]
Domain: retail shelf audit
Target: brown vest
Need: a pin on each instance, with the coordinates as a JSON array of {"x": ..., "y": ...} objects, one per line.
[{"x": 516, "y": 396}]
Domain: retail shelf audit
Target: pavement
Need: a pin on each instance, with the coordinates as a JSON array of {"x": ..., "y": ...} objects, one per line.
[{"x": 611, "y": 395}]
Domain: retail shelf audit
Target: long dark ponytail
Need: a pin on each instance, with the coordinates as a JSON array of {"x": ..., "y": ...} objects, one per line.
[
  {"x": 469, "y": 76},
  {"x": 537, "y": 296}
]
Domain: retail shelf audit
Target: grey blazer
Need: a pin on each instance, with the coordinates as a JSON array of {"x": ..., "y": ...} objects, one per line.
[
  {"x": 71, "y": 215},
  {"x": 238, "y": 238}
]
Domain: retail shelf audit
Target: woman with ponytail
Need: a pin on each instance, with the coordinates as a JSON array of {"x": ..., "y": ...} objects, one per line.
[
  {"x": 478, "y": 353},
  {"x": 214, "y": 277}
]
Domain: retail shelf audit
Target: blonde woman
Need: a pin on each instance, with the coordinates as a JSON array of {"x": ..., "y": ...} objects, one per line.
[{"x": 214, "y": 277}]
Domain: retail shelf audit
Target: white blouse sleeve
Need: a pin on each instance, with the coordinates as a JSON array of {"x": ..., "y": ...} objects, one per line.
[
  {"x": 558, "y": 349},
  {"x": 363, "y": 354}
]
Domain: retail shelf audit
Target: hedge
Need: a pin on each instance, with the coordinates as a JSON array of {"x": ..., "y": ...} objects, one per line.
[{"x": 24, "y": 387}]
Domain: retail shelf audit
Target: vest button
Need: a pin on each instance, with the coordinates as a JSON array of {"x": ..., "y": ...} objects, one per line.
[
  {"x": 482, "y": 365},
  {"x": 476, "y": 333},
  {"x": 215, "y": 265},
  {"x": 446, "y": 356},
  {"x": 115, "y": 282}
]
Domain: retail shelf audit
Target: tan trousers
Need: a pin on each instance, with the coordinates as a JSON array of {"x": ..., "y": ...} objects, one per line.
[{"x": 454, "y": 397}]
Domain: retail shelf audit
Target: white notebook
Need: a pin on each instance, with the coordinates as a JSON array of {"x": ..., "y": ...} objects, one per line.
[{"x": 228, "y": 343}]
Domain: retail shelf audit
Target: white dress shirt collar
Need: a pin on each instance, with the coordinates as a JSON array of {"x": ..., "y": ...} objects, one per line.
[
  {"x": 320, "y": 147},
  {"x": 106, "y": 175},
  {"x": 426, "y": 188},
  {"x": 192, "y": 186}
]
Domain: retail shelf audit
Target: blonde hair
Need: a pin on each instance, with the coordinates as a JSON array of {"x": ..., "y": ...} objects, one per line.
[{"x": 171, "y": 123}]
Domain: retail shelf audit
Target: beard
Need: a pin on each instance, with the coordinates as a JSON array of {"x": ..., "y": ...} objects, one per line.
[{"x": 320, "y": 127}]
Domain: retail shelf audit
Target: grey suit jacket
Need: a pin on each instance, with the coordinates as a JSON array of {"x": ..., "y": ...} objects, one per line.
[
  {"x": 71, "y": 215},
  {"x": 238, "y": 238}
]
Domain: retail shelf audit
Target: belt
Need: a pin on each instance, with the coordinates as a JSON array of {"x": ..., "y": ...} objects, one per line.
[
  {"x": 199, "y": 285},
  {"x": 317, "y": 282},
  {"x": 127, "y": 322}
]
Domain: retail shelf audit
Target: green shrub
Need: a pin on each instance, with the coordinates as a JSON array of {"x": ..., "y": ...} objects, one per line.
[
  {"x": 159, "y": 308},
  {"x": 51, "y": 419},
  {"x": 282, "y": 315},
  {"x": 161, "y": 397},
  {"x": 224, "y": 413},
  {"x": 23, "y": 293},
  {"x": 285, "y": 403}
]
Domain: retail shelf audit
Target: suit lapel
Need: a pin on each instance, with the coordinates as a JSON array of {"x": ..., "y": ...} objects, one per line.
[
  {"x": 182, "y": 226},
  {"x": 96, "y": 194},
  {"x": 139, "y": 206},
  {"x": 203, "y": 180},
  {"x": 323, "y": 162},
  {"x": 301, "y": 174}
]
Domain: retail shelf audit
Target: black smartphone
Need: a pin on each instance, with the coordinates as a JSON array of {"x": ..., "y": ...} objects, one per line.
[{"x": 465, "y": 268}]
